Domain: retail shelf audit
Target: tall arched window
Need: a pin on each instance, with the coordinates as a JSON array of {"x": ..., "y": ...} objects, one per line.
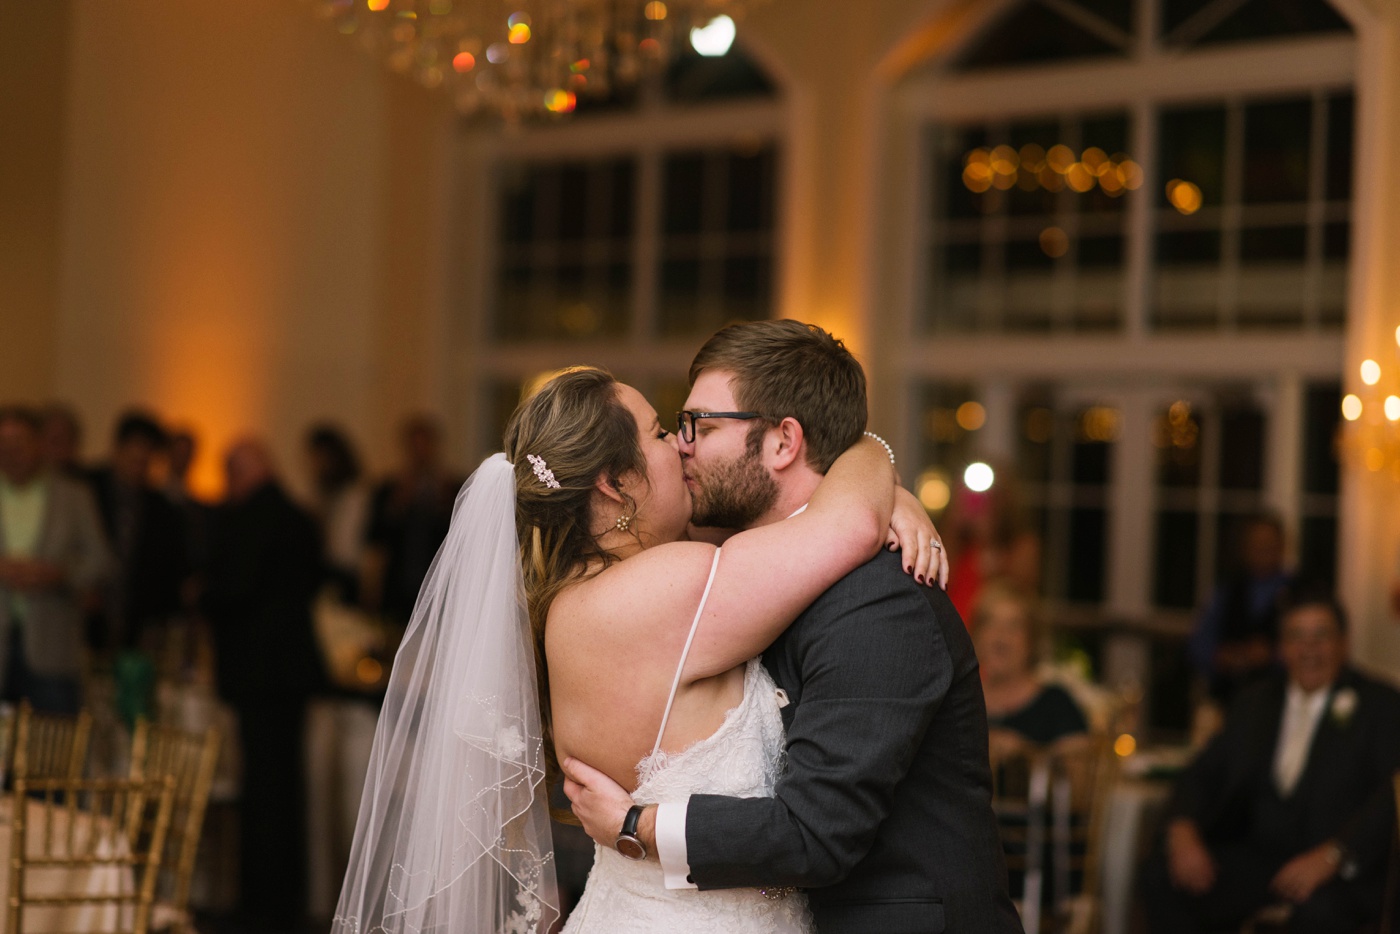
[{"x": 1130, "y": 251}]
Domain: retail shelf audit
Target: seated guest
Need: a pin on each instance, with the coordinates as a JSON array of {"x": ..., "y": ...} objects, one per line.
[
  {"x": 1235, "y": 637},
  {"x": 1292, "y": 801},
  {"x": 1021, "y": 709}
]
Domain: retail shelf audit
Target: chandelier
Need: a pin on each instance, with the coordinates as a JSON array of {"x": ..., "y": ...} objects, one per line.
[
  {"x": 523, "y": 58},
  {"x": 1372, "y": 429}
]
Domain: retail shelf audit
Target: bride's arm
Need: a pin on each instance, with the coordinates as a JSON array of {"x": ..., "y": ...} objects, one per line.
[{"x": 768, "y": 575}]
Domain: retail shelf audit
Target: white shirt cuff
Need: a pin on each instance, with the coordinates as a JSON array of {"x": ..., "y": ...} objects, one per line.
[{"x": 670, "y": 844}]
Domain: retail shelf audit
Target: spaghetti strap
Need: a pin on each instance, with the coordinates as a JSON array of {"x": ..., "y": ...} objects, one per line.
[{"x": 676, "y": 682}]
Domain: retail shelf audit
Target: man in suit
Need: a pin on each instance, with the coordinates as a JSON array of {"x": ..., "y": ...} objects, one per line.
[
  {"x": 1291, "y": 802},
  {"x": 52, "y": 557},
  {"x": 147, "y": 535},
  {"x": 264, "y": 569},
  {"x": 884, "y": 810}
]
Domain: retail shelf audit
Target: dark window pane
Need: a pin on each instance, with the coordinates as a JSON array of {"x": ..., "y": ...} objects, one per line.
[
  {"x": 1276, "y": 137},
  {"x": 1273, "y": 19},
  {"x": 1088, "y": 549},
  {"x": 1101, "y": 251},
  {"x": 1030, "y": 33},
  {"x": 1336, "y": 241},
  {"x": 1177, "y": 435},
  {"x": 1027, "y": 254},
  {"x": 1341, "y": 134},
  {"x": 747, "y": 286},
  {"x": 1321, "y": 418},
  {"x": 1090, "y": 462},
  {"x": 1317, "y": 548},
  {"x": 1175, "y": 579},
  {"x": 1193, "y": 149},
  {"x": 751, "y": 191},
  {"x": 1033, "y": 441},
  {"x": 692, "y": 77},
  {"x": 573, "y": 202},
  {"x": 962, "y": 259},
  {"x": 685, "y": 188},
  {"x": 518, "y": 186},
  {"x": 1188, "y": 247},
  {"x": 1242, "y": 449},
  {"x": 620, "y": 192},
  {"x": 1273, "y": 244},
  {"x": 516, "y": 300}
]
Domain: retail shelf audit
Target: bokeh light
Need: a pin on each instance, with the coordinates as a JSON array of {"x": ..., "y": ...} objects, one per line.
[
  {"x": 933, "y": 490},
  {"x": 714, "y": 39},
  {"x": 1370, "y": 372},
  {"x": 1351, "y": 407},
  {"x": 1184, "y": 196},
  {"x": 979, "y": 477},
  {"x": 1054, "y": 242},
  {"x": 655, "y": 11},
  {"x": 971, "y": 416},
  {"x": 377, "y": 5},
  {"x": 560, "y": 101},
  {"x": 1392, "y": 408},
  {"x": 519, "y": 34},
  {"x": 463, "y": 62},
  {"x": 1125, "y": 745}
]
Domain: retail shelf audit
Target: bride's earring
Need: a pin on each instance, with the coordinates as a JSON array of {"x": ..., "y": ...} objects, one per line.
[{"x": 624, "y": 522}]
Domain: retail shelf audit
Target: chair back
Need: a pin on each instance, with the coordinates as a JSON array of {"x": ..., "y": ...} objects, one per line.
[
  {"x": 189, "y": 760},
  {"x": 50, "y": 745},
  {"x": 1020, "y": 799},
  {"x": 1081, "y": 781},
  {"x": 1051, "y": 805},
  {"x": 85, "y": 853}
]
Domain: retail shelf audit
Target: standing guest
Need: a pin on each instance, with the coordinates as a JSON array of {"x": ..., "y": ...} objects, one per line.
[
  {"x": 264, "y": 568},
  {"x": 146, "y": 533},
  {"x": 340, "y": 726},
  {"x": 1292, "y": 800},
  {"x": 409, "y": 519},
  {"x": 1022, "y": 710},
  {"x": 52, "y": 557},
  {"x": 341, "y": 502},
  {"x": 62, "y": 436},
  {"x": 1235, "y": 637}
]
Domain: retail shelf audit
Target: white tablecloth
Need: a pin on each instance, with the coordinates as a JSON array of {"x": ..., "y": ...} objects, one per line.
[
  {"x": 92, "y": 880},
  {"x": 1133, "y": 807}
]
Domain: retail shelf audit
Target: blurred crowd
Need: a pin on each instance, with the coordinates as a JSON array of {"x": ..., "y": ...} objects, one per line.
[
  {"x": 290, "y": 608},
  {"x": 1284, "y": 812}
]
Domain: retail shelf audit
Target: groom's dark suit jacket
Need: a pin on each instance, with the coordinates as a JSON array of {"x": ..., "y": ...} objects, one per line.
[{"x": 884, "y": 811}]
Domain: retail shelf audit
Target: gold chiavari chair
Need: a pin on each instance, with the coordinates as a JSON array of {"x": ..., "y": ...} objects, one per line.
[
  {"x": 85, "y": 853},
  {"x": 50, "y": 745},
  {"x": 1080, "y": 783},
  {"x": 189, "y": 760},
  {"x": 1020, "y": 798}
]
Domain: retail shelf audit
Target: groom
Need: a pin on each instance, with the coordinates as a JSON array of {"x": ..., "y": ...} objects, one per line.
[{"x": 884, "y": 810}]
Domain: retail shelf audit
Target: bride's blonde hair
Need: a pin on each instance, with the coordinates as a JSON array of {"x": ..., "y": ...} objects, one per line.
[{"x": 579, "y": 428}]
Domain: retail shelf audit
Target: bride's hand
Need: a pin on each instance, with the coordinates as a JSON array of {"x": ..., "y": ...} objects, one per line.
[
  {"x": 912, "y": 532},
  {"x": 596, "y": 800}
]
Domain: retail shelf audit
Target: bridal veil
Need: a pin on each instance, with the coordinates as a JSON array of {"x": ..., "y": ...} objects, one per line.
[{"x": 453, "y": 833}]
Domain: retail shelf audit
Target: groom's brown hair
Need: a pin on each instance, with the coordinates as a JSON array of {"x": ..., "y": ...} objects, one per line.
[{"x": 786, "y": 368}]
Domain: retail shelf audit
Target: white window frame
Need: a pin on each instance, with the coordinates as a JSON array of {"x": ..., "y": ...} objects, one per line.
[{"x": 1137, "y": 370}]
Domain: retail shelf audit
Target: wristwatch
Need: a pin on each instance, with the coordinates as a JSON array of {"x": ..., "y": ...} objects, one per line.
[{"x": 628, "y": 843}]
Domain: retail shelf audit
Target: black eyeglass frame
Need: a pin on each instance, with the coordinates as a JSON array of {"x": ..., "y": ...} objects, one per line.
[{"x": 686, "y": 416}]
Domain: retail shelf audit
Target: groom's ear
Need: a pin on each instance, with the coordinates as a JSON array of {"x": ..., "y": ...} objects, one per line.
[{"x": 791, "y": 444}]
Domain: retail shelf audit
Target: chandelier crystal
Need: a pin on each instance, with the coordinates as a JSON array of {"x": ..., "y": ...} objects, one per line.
[{"x": 524, "y": 58}]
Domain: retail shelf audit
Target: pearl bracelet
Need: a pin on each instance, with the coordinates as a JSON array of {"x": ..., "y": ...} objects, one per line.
[{"x": 883, "y": 443}]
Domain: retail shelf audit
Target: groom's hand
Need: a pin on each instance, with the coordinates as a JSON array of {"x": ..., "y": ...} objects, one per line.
[{"x": 601, "y": 804}]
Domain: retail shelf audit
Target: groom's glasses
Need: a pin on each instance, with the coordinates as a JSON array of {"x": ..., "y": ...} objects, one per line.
[{"x": 685, "y": 421}]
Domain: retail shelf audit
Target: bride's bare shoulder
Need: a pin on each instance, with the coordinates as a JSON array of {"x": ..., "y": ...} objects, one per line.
[{"x": 654, "y": 592}]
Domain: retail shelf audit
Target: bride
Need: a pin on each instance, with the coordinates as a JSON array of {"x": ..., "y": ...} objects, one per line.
[{"x": 566, "y": 615}]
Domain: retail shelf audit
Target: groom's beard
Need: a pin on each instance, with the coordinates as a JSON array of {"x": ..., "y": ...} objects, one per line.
[{"x": 732, "y": 495}]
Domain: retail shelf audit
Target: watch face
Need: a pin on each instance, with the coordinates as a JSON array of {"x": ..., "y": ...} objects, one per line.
[{"x": 631, "y": 848}]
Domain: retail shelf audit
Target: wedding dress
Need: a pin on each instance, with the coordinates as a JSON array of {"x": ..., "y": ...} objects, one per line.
[{"x": 742, "y": 758}]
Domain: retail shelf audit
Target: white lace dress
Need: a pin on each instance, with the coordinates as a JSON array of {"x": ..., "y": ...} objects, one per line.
[{"x": 742, "y": 759}]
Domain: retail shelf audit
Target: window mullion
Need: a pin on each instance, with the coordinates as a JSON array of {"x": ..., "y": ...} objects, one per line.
[{"x": 1137, "y": 276}]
